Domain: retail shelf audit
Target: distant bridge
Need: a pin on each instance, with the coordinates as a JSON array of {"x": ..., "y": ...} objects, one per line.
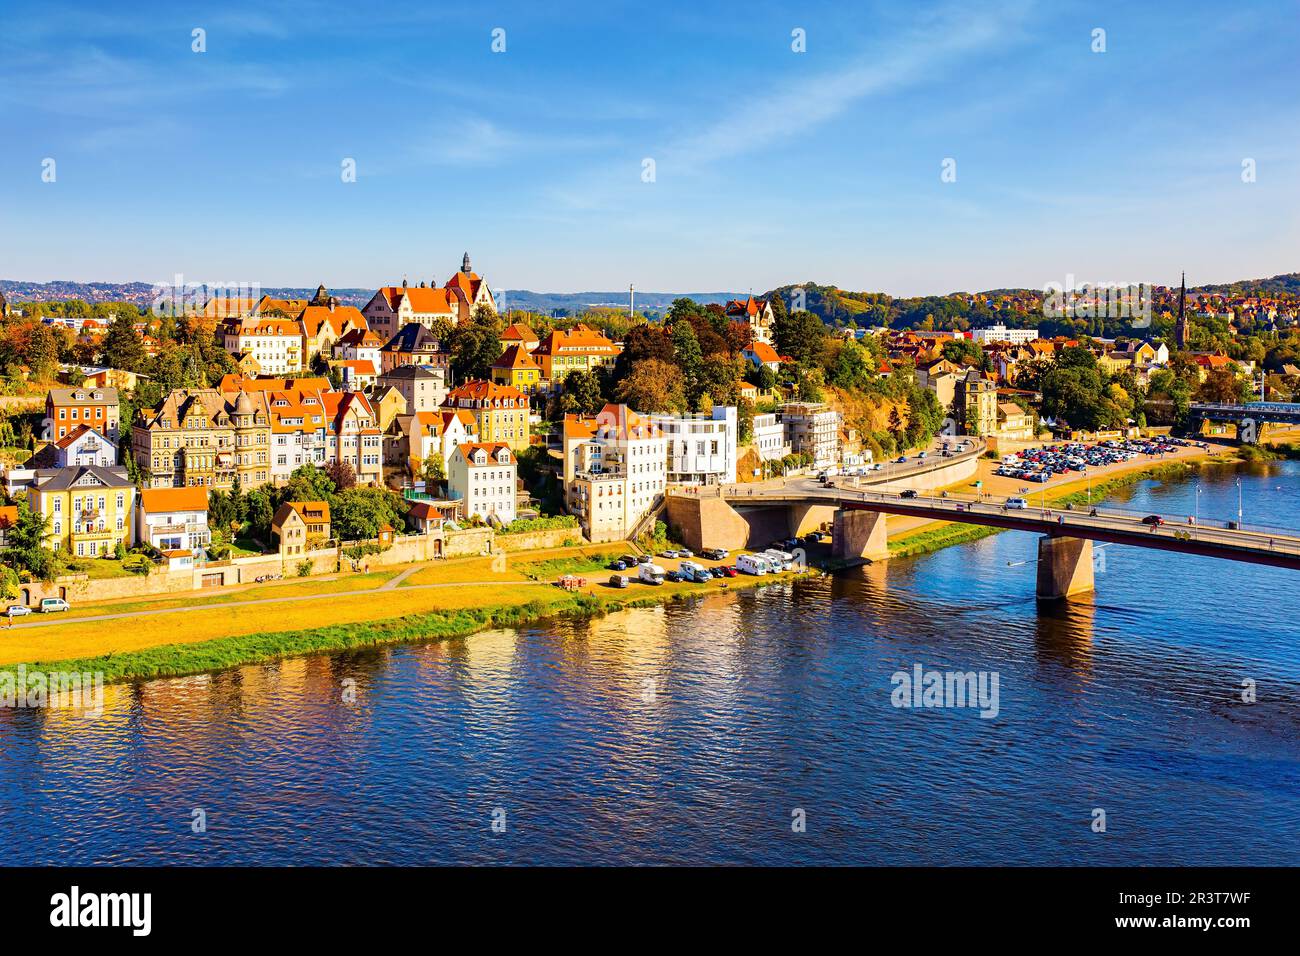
[{"x": 1249, "y": 417}]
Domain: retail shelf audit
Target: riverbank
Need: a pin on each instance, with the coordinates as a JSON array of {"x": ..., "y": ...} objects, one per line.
[{"x": 426, "y": 602}]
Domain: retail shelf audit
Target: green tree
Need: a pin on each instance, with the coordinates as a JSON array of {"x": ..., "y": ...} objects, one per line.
[{"x": 122, "y": 346}]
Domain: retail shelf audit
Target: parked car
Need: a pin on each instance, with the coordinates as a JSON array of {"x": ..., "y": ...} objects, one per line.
[
  {"x": 1154, "y": 520},
  {"x": 729, "y": 571},
  {"x": 674, "y": 576},
  {"x": 629, "y": 560},
  {"x": 643, "y": 559},
  {"x": 685, "y": 553},
  {"x": 907, "y": 493},
  {"x": 53, "y": 605},
  {"x": 616, "y": 566},
  {"x": 618, "y": 580},
  {"x": 702, "y": 576},
  {"x": 18, "y": 610},
  {"x": 1016, "y": 504},
  {"x": 669, "y": 553},
  {"x": 714, "y": 554}
]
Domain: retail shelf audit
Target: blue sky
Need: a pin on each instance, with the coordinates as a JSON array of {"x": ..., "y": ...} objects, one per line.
[{"x": 771, "y": 166}]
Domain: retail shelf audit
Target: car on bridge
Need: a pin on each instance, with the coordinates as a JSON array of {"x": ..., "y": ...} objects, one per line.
[
  {"x": 907, "y": 493},
  {"x": 1015, "y": 504},
  {"x": 1154, "y": 521}
]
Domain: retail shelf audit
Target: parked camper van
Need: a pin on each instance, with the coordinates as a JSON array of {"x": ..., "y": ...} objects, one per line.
[
  {"x": 651, "y": 574},
  {"x": 754, "y": 564}
]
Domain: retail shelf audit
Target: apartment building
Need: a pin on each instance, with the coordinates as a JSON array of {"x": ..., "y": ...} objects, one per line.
[
  {"x": 83, "y": 446},
  {"x": 501, "y": 411},
  {"x": 275, "y": 344},
  {"x": 701, "y": 451},
  {"x": 517, "y": 367},
  {"x": 1000, "y": 333},
  {"x": 483, "y": 477},
  {"x": 66, "y": 408},
  {"x": 615, "y": 470},
  {"x": 414, "y": 345},
  {"x": 424, "y": 387},
  {"x": 769, "y": 437},
  {"x": 205, "y": 438},
  {"x": 89, "y": 508},
  {"x": 975, "y": 403},
  {"x": 812, "y": 428},
  {"x": 582, "y": 349},
  {"x": 173, "y": 519}
]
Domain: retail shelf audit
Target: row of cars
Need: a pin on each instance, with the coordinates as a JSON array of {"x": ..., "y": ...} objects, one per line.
[
  {"x": 1042, "y": 464},
  {"x": 772, "y": 561},
  {"x": 47, "y": 606}
]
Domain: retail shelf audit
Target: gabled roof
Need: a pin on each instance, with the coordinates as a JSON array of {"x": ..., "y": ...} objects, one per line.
[
  {"x": 480, "y": 391},
  {"x": 71, "y": 437},
  {"x": 580, "y": 339},
  {"x": 315, "y": 317},
  {"x": 516, "y": 357},
  {"x": 312, "y": 512}
]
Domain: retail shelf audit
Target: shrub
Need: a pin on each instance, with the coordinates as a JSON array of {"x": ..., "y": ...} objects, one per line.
[{"x": 304, "y": 568}]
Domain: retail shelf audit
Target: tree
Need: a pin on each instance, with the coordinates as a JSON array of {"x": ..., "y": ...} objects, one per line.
[
  {"x": 122, "y": 346},
  {"x": 689, "y": 357},
  {"x": 434, "y": 470},
  {"x": 800, "y": 336},
  {"x": 360, "y": 512},
  {"x": 653, "y": 385},
  {"x": 475, "y": 345},
  {"x": 26, "y": 550},
  {"x": 342, "y": 474},
  {"x": 582, "y": 393},
  {"x": 43, "y": 354}
]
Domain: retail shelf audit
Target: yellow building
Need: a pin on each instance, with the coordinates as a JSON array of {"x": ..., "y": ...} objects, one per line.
[
  {"x": 517, "y": 368},
  {"x": 500, "y": 411},
  {"x": 88, "y": 506},
  {"x": 581, "y": 350}
]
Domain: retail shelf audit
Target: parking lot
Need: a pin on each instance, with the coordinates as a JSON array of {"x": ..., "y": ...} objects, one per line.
[{"x": 1041, "y": 465}]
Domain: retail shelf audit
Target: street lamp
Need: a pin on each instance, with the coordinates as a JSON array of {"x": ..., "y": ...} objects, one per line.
[{"x": 1239, "y": 504}]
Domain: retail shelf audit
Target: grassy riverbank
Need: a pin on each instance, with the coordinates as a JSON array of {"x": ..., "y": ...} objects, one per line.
[{"x": 484, "y": 606}]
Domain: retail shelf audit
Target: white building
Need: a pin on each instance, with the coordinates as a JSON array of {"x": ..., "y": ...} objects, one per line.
[
  {"x": 484, "y": 478},
  {"x": 769, "y": 437},
  {"x": 276, "y": 344},
  {"x": 1000, "y": 333},
  {"x": 615, "y": 470},
  {"x": 84, "y": 446},
  {"x": 812, "y": 428},
  {"x": 701, "y": 451},
  {"x": 173, "y": 519}
]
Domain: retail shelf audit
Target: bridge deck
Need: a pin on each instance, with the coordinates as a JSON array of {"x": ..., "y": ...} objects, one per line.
[{"x": 1276, "y": 549}]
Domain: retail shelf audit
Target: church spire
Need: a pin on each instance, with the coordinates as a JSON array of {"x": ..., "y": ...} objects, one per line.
[
  {"x": 1180, "y": 327},
  {"x": 464, "y": 264}
]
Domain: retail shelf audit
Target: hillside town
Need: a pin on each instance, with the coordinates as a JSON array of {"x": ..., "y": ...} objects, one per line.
[{"x": 180, "y": 442}]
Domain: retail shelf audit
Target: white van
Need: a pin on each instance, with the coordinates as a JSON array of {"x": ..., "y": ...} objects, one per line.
[
  {"x": 51, "y": 605},
  {"x": 751, "y": 564},
  {"x": 691, "y": 566},
  {"x": 651, "y": 574},
  {"x": 1016, "y": 504}
]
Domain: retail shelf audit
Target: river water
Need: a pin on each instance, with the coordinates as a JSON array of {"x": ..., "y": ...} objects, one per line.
[{"x": 752, "y": 727}]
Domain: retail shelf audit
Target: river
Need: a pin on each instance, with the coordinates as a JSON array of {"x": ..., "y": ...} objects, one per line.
[{"x": 752, "y": 727}]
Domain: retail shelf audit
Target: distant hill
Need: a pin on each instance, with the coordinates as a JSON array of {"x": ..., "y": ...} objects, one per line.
[
  {"x": 142, "y": 294},
  {"x": 1288, "y": 284}
]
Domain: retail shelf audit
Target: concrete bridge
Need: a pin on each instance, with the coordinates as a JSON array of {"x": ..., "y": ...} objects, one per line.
[
  {"x": 1250, "y": 417},
  {"x": 733, "y": 517}
]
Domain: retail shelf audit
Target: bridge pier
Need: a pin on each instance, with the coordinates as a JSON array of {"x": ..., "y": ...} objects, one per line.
[
  {"x": 860, "y": 534},
  {"x": 1064, "y": 567}
]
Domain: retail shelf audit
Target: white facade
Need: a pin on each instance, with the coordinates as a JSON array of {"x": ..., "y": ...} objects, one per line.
[
  {"x": 276, "y": 344},
  {"x": 483, "y": 477},
  {"x": 173, "y": 528},
  {"x": 769, "y": 437},
  {"x": 1000, "y": 333},
  {"x": 812, "y": 428},
  {"x": 85, "y": 448},
  {"x": 701, "y": 451}
]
